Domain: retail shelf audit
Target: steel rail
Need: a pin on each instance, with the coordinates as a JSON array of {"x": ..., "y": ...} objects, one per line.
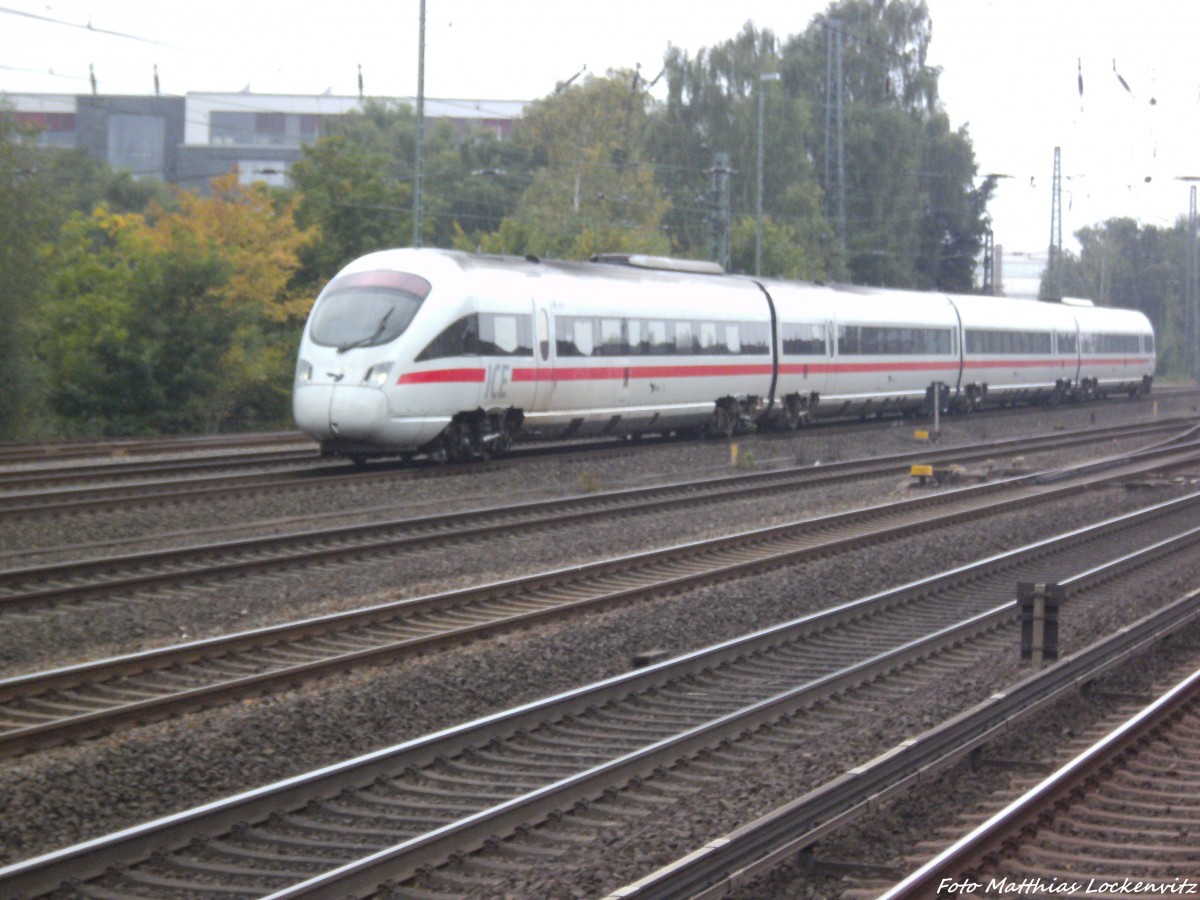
[
  {"x": 730, "y": 862},
  {"x": 964, "y": 856},
  {"x": 26, "y": 588},
  {"x": 91, "y": 858},
  {"x": 31, "y": 703},
  {"x": 10, "y": 453},
  {"x": 98, "y": 497},
  {"x": 49, "y": 476}
]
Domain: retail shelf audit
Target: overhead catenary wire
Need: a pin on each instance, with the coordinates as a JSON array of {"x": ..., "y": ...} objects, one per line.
[{"x": 4, "y": 10}]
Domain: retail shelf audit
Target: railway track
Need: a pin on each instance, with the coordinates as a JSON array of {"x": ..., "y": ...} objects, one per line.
[
  {"x": 731, "y": 865},
  {"x": 45, "y": 708},
  {"x": 18, "y": 504},
  {"x": 26, "y": 484},
  {"x": 1120, "y": 818},
  {"x": 26, "y": 493},
  {"x": 73, "y": 488},
  {"x": 681, "y": 726},
  {"x": 74, "y": 481},
  {"x": 131, "y": 447},
  {"x": 115, "y": 573}
]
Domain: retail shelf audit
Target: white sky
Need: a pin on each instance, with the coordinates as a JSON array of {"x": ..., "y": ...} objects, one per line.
[{"x": 1010, "y": 70}]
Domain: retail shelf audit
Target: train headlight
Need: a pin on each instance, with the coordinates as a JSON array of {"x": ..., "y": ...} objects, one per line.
[
  {"x": 378, "y": 374},
  {"x": 304, "y": 372}
]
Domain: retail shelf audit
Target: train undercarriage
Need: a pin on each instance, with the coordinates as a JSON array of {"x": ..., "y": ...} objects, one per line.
[{"x": 485, "y": 434}]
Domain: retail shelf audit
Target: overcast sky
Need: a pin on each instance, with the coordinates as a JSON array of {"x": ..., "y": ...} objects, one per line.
[{"x": 1010, "y": 71}]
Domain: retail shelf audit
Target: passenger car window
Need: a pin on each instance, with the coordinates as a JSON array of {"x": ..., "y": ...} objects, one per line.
[{"x": 460, "y": 338}]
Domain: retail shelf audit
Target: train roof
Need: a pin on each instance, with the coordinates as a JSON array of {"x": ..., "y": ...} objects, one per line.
[{"x": 641, "y": 268}]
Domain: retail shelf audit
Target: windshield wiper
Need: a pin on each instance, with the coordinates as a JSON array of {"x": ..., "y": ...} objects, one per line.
[{"x": 368, "y": 341}]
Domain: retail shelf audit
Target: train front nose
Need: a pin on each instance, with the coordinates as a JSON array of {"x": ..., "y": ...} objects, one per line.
[
  {"x": 337, "y": 412},
  {"x": 358, "y": 414},
  {"x": 355, "y": 418}
]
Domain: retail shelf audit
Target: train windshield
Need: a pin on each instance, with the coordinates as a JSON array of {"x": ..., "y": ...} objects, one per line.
[{"x": 367, "y": 309}]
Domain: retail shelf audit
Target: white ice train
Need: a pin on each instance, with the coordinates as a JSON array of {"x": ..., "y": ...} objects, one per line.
[{"x": 455, "y": 354}]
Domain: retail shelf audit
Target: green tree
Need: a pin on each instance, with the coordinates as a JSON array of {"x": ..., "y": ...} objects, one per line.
[
  {"x": 590, "y": 190},
  {"x": 955, "y": 221},
  {"x": 1125, "y": 264},
  {"x": 100, "y": 372},
  {"x": 39, "y": 188},
  {"x": 712, "y": 107},
  {"x": 355, "y": 185},
  {"x": 28, "y": 215},
  {"x": 784, "y": 253},
  {"x": 914, "y": 217},
  {"x": 178, "y": 320},
  {"x": 349, "y": 191},
  {"x": 258, "y": 246}
]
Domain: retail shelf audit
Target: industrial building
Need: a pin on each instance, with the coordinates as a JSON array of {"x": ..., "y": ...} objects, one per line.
[{"x": 189, "y": 140}]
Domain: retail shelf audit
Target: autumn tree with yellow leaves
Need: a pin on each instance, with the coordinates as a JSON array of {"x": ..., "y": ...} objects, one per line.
[{"x": 174, "y": 320}]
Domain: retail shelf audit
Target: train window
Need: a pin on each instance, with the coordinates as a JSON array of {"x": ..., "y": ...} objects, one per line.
[
  {"x": 683, "y": 338},
  {"x": 882, "y": 340},
  {"x": 1067, "y": 343},
  {"x": 505, "y": 335},
  {"x": 857, "y": 340},
  {"x": 460, "y": 338},
  {"x": 1008, "y": 342},
  {"x": 707, "y": 338},
  {"x": 635, "y": 336},
  {"x": 733, "y": 338},
  {"x": 584, "y": 333},
  {"x": 803, "y": 339},
  {"x": 564, "y": 343},
  {"x": 656, "y": 340},
  {"x": 939, "y": 340},
  {"x": 367, "y": 309},
  {"x": 756, "y": 338},
  {"x": 1117, "y": 343},
  {"x": 612, "y": 342},
  {"x": 497, "y": 335},
  {"x": 564, "y": 337},
  {"x": 544, "y": 334},
  {"x": 1148, "y": 343}
]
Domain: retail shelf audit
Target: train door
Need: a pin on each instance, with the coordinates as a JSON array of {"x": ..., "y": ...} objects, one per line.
[
  {"x": 957, "y": 338},
  {"x": 543, "y": 357},
  {"x": 826, "y": 379},
  {"x": 1074, "y": 350},
  {"x": 613, "y": 344}
]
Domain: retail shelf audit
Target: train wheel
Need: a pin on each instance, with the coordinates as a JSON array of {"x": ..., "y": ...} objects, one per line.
[
  {"x": 724, "y": 422},
  {"x": 796, "y": 413},
  {"x": 456, "y": 441}
]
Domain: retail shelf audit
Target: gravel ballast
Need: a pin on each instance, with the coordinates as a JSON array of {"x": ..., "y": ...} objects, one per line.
[{"x": 69, "y": 794}]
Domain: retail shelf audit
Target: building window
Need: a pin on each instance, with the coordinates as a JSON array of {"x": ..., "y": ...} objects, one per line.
[
  {"x": 271, "y": 172},
  {"x": 137, "y": 143},
  {"x": 231, "y": 128}
]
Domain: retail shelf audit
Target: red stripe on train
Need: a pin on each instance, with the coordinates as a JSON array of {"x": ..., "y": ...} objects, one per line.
[
  {"x": 620, "y": 373},
  {"x": 443, "y": 376}
]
